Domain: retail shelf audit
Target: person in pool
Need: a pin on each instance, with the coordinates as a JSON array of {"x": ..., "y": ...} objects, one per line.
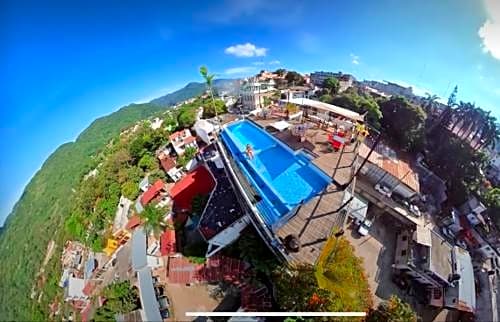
[{"x": 249, "y": 151}]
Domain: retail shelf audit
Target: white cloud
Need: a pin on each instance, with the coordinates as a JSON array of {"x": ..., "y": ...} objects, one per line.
[
  {"x": 354, "y": 59},
  {"x": 274, "y": 62},
  {"x": 240, "y": 70},
  {"x": 490, "y": 30},
  {"x": 258, "y": 63},
  {"x": 246, "y": 50}
]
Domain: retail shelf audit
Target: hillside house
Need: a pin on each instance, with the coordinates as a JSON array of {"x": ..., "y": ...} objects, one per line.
[
  {"x": 180, "y": 140},
  {"x": 169, "y": 165}
]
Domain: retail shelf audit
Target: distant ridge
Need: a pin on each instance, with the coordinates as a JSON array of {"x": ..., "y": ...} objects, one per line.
[{"x": 194, "y": 89}]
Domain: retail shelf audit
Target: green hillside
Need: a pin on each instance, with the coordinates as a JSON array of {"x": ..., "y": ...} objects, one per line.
[{"x": 39, "y": 214}]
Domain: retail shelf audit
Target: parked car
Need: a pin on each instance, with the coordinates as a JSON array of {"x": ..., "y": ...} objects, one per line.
[
  {"x": 401, "y": 200},
  {"x": 364, "y": 227},
  {"x": 415, "y": 210},
  {"x": 384, "y": 190},
  {"x": 447, "y": 233}
]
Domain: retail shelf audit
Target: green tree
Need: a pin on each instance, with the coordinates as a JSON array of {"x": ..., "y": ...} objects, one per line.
[
  {"x": 294, "y": 78},
  {"x": 332, "y": 85},
  {"x": 280, "y": 71},
  {"x": 121, "y": 297},
  {"x": 492, "y": 198},
  {"x": 326, "y": 98},
  {"x": 130, "y": 190},
  {"x": 208, "y": 109},
  {"x": 148, "y": 162},
  {"x": 153, "y": 218},
  {"x": 198, "y": 204},
  {"x": 430, "y": 103},
  {"x": 254, "y": 251},
  {"x": 404, "y": 123},
  {"x": 186, "y": 119},
  {"x": 305, "y": 295},
  {"x": 209, "y": 81},
  {"x": 452, "y": 100},
  {"x": 393, "y": 310},
  {"x": 361, "y": 104}
]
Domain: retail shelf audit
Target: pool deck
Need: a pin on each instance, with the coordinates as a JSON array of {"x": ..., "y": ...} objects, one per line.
[{"x": 319, "y": 217}]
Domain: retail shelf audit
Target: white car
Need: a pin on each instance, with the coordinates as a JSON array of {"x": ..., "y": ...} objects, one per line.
[
  {"x": 364, "y": 227},
  {"x": 414, "y": 210},
  {"x": 384, "y": 190}
]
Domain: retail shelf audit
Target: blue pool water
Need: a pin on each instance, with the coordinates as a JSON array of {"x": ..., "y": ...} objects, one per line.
[{"x": 283, "y": 178}]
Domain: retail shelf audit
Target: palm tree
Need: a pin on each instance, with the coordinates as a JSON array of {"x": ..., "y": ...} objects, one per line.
[
  {"x": 209, "y": 81},
  {"x": 430, "y": 102},
  {"x": 153, "y": 219}
]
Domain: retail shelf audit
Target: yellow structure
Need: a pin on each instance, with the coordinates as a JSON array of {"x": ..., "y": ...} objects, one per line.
[{"x": 111, "y": 246}]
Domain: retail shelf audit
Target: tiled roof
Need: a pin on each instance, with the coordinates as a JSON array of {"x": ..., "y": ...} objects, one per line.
[
  {"x": 388, "y": 160},
  {"x": 168, "y": 242},
  {"x": 178, "y": 134},
  {"x": 216, "y": 268},
  {"x": 152, "y": 192},
  {"x": 255, "y": 299},
  {"x": 198, "y": 182},
  {"x": 133, "y": 222},
  {"x": 167, "y": 162}
]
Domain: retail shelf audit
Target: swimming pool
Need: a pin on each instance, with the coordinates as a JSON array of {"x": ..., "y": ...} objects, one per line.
[{"x": 282, "y": 177}]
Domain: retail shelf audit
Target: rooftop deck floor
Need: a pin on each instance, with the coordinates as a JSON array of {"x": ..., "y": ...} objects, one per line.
[{"x": 316, "y": 219}]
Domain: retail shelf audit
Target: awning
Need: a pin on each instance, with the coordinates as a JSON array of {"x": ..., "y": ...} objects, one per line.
[
  {"x": 327, "y": 108},
  {"x": 280, "y": 125},
  {"x": 358, "y": 206}
]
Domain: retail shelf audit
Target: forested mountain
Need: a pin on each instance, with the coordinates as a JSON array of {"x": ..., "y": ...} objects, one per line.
[
  {"x": 195, "y": 89},
  {"x": 39, "y": 214}
]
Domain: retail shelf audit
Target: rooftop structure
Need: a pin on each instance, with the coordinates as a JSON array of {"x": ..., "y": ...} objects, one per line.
[
  {"x": 168, "y": 244},
  {"x": 153, "y": 192},
  {"x": 384, "y": 161},
  {"x": 222, "y": 208},
  {"x": 169, "y": 165},
  {"x": 197, "y": 182},
  {"x": 345, "y": 80},
  {"x": 329, "y": 109},
  {"x": 180, "y": 140},
  {"x": 204, "y": 130},
  {"x": 310, "y": 221}
]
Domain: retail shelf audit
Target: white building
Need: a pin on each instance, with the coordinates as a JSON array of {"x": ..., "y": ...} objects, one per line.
[
  {"x": 345, "y": 80},
  {"x": 205, "y": 131},
  {"x": 253, "y": 93},
  {"x": 182, "y": 139},
  {"x": 156, "y": 123},
  {"x": 493, "y": 171}
]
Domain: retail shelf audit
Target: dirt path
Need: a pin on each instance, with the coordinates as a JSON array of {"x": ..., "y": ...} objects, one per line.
[{"x": 189, "y": 299}]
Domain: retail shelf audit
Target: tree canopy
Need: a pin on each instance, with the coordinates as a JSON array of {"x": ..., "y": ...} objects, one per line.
[
  {"x": 404, "y": 123},
  {"x": 305, "y": 295},
  {"x": 121, "y": 297},
  {"x": 294, "y": 78},
  {"x": 153, "y": 218},
  {"x": 332, "y": 85},
  {"x": 361, "y": 104},
  {"x": 392, "y": 310}
]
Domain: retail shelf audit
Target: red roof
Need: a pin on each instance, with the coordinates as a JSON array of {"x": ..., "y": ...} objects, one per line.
[
  {"x": 177, "y": 134},
  {"x": 189, "y": 139},
  {"x": 168, "y": 243},
  {"x": 216, "y": 268},
  {"x": 89, "y": 288},
  {"x": 198, "y": 182},
  {"x": 167, "y": 163},
  {"x": 133, "y": 222},
  {"x": 152, "y": 192}
]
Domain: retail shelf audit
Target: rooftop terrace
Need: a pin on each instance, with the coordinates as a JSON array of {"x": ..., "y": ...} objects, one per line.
[{"x": 314, "y": 221}]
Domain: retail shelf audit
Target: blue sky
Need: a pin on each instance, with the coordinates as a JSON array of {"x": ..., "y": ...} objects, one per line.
[{"x": 65, "y": 63}]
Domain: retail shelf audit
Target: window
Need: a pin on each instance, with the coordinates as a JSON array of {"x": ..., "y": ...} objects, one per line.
[
  {"x": 404, "y": 238},
  {"x": 403, "y": 252}
]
